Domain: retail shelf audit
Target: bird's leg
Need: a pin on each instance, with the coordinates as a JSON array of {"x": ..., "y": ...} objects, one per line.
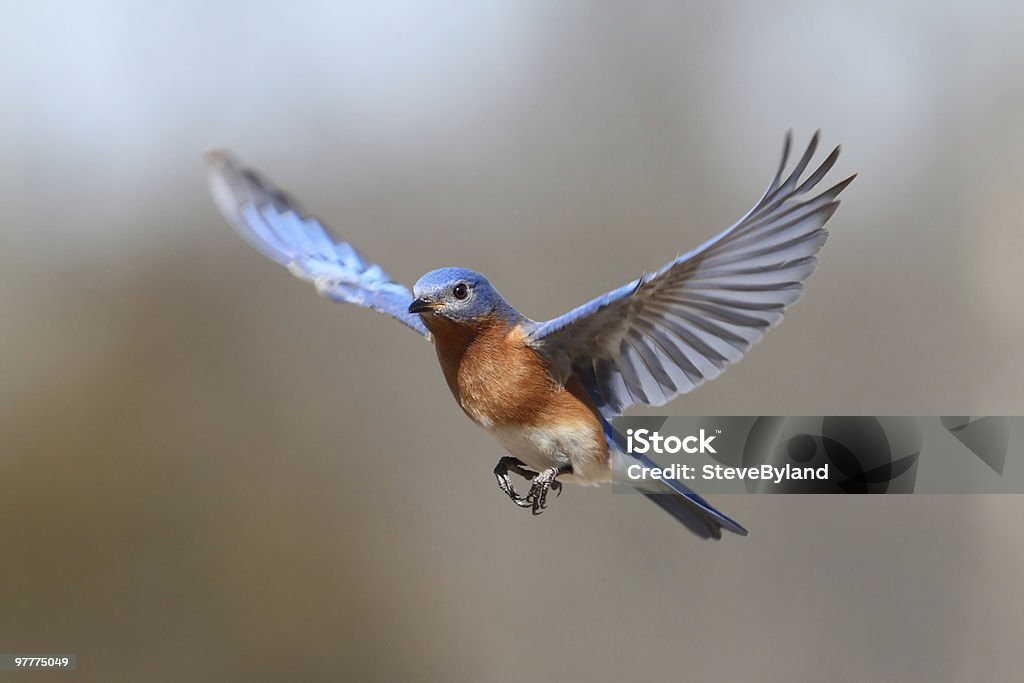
[
  {"x": 542, "y": 483},
  {"x": 501, "y": 473}
]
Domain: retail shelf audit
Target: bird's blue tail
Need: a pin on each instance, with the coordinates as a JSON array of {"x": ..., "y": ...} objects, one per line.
[
  {"x": 671, "y": 495},
  {"x": 675, "y": 498}
]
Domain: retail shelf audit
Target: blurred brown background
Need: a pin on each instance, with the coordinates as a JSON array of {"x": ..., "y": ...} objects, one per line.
[{"x": 207, "y": 473}]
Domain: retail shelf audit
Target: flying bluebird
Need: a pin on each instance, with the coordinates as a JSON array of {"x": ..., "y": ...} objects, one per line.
[{"x": 547, "y": 390}]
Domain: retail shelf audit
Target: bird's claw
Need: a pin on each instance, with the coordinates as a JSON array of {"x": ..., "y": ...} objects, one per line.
[
  {"x": 542, "y": 483},
  {"x": 501, "y": 473}
]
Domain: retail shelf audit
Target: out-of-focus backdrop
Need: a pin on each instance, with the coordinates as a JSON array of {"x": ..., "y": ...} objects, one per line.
[{"x": 207, "y": 473}]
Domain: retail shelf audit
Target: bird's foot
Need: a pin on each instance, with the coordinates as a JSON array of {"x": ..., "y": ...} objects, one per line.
[
  {"x": 544, "y": 482},
  {"x": 501, "y": 473}
]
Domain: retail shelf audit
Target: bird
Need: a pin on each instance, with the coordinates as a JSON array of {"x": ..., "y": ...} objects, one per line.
[{"x": 547, "y": 391}]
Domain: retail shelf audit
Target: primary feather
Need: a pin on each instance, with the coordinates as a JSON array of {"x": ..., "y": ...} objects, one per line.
[
  {"x": 279, "y": 228},
  {"x": 668, "y": 332}
]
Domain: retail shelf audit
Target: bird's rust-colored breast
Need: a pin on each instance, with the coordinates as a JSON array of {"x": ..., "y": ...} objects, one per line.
[{"x": 500, "y": 381}]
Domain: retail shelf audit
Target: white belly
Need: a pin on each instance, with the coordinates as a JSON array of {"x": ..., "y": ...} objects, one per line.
[{"x": 556, "y": 446}]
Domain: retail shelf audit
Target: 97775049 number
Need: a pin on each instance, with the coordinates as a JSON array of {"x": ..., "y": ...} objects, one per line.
[{"x": 10, "y": 662}]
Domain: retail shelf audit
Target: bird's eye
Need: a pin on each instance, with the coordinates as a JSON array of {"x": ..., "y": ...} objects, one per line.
[{"x": 460, "y": 291}]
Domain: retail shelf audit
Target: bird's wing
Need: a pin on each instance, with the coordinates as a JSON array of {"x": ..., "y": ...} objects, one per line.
[
  {"x": 670, "y": 331},
  {"x": 278, "y": 226}
]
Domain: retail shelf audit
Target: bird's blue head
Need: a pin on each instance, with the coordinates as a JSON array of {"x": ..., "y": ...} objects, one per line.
[{"x": 460, "y": 295}]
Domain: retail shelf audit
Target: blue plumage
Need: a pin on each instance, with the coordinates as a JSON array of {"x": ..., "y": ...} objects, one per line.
[
  {"x": 481, "y": 298},
  {"x": 280, "y": 229},
  {"x": 670, "y": 331}
]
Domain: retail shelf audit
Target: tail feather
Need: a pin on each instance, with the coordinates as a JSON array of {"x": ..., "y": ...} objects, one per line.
[
  {"x": 698, "y": 517},
  {"x": 675, "y": 498}
]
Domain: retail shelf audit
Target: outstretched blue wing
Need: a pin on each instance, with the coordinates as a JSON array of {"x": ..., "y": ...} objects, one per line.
[
  {"x": 282, "y": 230},
  {"x": 670, "y": 331}
]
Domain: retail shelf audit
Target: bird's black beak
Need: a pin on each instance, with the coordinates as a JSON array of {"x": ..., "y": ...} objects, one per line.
[{"x": 421, "y": 306}]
